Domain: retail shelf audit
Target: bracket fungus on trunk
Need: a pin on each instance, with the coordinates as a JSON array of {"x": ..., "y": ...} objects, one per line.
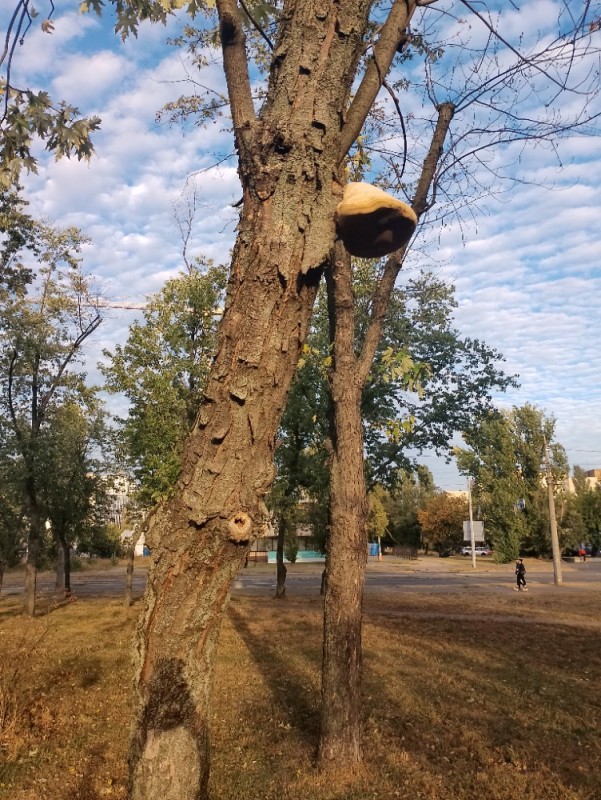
[{"x": 371, "y": 222}]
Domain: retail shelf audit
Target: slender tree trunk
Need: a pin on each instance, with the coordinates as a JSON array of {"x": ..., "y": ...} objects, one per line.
[
  {"x": 340, "y": 739},
  {"x": 340, "y": 735},
  {"x": 33, "y": 548},
  {"x": 67, "y": 565},
  {"x": 63, "y": 564},
  {"x": 59, "y": 583},
  {"x": 2, "y": 566},
  {"x": 280, "y": 592},
  {"x": 129, "y": 572}
]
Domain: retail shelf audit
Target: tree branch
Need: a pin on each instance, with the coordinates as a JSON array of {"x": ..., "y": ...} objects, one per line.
[
  {"x": 391, "y": 35},
  {"x": 11, "y": 406},
  {"x": 235, "y": 67},
  {"x": 393, "y": 265},
  {"x": 397, "y": 105},
  {"x": 68, "y": 358},
  {"x": 256, "y": 25},
  {"x": 509, "y": 46}
]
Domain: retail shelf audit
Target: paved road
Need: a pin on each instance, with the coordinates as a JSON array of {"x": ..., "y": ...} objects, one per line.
[{"x": 428, "y": 575}]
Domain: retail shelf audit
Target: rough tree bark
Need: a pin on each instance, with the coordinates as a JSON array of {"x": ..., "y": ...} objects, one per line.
[
  {"x": 340, "y": 736},
  {"x": 289, "y": 161}
]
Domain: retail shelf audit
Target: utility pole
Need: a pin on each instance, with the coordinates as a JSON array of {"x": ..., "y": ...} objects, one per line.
[
  {"x": 552, "y": 519},
  {"x": 472, "y": 534}
]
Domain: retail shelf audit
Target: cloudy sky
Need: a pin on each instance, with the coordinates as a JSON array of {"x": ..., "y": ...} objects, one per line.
[{"x": 524, "y": 258}]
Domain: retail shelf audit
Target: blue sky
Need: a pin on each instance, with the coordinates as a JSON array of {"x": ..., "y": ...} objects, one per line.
[{"x": 525, "y": 262}]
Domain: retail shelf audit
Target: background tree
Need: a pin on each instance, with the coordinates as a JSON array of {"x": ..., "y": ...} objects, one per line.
[
  {"x": 408, "y": 493},
  {"x": 456, "y": 377},
  {"x": 441, "y": 522},
  {"x": 583, "y": 515},
  {"x": 12, "y": 513},
  {"x": 162, "y": 369},
  {"x": 73, "y": 478},
  {"x": 43, "y": 326},
  {"x": 505, "y": 461},
  {"x": 20, "y": 236},
  {"x": 377, "y": 518},
  {"x": 301, "y": 459}
]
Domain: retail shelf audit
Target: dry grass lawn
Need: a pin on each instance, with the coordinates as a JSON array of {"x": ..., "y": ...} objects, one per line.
[{"x": 466, "y": 697}]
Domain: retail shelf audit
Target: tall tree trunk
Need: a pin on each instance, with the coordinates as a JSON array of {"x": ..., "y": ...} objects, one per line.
[
  {"x": 63, "y": 563},
  {"x": 33, "y": 548},
  {"x": 67, "y": 565},
  {"x": 59, "y": 583},
  {"x": 2, "y": 566},
  {"x": 280, "y": 591},
  {"x": 129, "y": 571},
  {"x": 340, "y": 735},
  {"x": 289, "y": 161}
]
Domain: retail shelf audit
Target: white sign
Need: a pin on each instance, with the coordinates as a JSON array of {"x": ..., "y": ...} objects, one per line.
[{"x": 478, "y": 531}]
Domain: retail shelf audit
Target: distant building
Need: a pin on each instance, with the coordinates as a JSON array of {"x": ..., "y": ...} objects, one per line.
[
  {"x": 594, "y": 475},
  {"x": 120, "y": 490},
  {"x": 593, "y": 479},
  {"x": 140, "y": 549}
]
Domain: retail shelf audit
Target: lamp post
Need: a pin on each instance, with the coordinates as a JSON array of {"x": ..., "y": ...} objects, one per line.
[{"x": 552, "y": 519}]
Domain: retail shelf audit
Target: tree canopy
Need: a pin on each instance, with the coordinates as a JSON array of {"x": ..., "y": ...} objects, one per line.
[
  {"x": 162, "y": 369},
  {"x": 47, "y": 311}
]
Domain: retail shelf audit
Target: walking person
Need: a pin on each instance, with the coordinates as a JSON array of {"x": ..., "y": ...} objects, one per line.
[{"x": 520, "y": 575}]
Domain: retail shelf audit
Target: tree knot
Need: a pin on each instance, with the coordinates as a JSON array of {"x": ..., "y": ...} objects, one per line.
[{"x": 239, "y": 527}]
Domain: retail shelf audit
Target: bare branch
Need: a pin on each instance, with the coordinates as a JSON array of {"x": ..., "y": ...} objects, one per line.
[
  {"x": 256, "y": 25},
  {"x": 393, "y": 265},
  {"x": 391, "y": 35},
  {"x": 524, "y": 59},
  {"x": 75, "y": 345},
  {"x": 397, "y": 105}
]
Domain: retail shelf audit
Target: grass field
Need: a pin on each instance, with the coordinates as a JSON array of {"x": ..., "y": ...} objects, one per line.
[{"x": 465, "y": 697}]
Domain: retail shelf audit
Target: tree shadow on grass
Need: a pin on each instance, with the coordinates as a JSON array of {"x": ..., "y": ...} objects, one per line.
[
  {"x": 84, "y": 788},
  {"x": 285, "y": 682},
  {"x": 462, "y": 691}
]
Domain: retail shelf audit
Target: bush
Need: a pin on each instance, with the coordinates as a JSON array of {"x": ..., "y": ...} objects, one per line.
[{"x": 291, "y": 547}]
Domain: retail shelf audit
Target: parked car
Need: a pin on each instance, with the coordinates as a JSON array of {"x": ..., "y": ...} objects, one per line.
[{"x": 481, "y": 550}]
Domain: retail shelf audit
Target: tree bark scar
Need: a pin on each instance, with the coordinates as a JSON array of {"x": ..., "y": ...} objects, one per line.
[{"x": 170, "y": 724}]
